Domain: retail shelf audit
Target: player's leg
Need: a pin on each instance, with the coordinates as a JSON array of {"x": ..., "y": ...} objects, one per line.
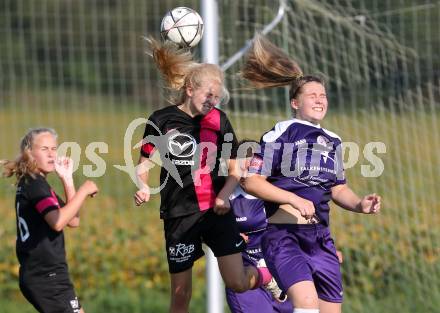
[
  {"x": 30, "y": 296},
  {"x": 238, "y": 277},
  {"x": 220, "y": 233},
  {"x": 303, "y": 295},
  {"x": 181, "y": 288},
  {"x": 329, "y": 307},
  {"x": 52, "y": 295},
  {"x": 64, "y": 297},
  {"x": 251, "y": 301},
  {"x": 282, "y": 247},
  {"x": 328, "y": 278},
  {"x": 183, "y": 247}
]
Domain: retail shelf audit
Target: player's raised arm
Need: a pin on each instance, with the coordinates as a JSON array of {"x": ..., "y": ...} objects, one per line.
[
  {"x": 64, "y": 170},
  {"x": 143, "y": 193},
  {"x": 61, "y": 217},
  {"x": 41, "y": 218},
  {"x": 222, "y": 205}
]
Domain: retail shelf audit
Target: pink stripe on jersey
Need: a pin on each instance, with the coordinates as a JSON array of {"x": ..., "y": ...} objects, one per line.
[
  {"x": 47, "y": 202},
  {"x": 209, "y": 126},
  {"x": 148, "y": 148}
]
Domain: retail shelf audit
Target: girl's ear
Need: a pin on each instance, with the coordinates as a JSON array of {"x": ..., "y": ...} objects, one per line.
[
  {"x": 189, "y": 91},
  {"x": 294, "y": 104}
]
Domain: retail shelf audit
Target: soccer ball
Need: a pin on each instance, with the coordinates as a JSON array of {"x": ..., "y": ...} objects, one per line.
[{"x": 182, "y": 25}]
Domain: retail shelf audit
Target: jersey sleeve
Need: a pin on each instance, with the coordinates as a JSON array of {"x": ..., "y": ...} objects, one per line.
[
  {"x": 42, "y": 197},
  {"x": 267, "y": 161},
  {"x": 151, "y": 131}
]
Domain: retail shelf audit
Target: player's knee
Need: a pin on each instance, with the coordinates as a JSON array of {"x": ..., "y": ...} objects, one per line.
[
  {"x": 237, "y": 285},
  {"x": 181, "y": 296},
  {"x": 307, "y": 302}
]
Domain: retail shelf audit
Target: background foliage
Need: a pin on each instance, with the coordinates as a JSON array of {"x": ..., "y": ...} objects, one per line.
[{"x": 79, "y": 66}]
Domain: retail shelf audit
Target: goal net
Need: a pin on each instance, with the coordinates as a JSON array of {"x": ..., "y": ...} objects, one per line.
[{"x": 80, "y": 67}]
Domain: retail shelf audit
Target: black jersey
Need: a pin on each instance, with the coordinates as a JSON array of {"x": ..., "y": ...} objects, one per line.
[
  {"x": 191, "y": 149},
  {"x": 40, "y": 249}
]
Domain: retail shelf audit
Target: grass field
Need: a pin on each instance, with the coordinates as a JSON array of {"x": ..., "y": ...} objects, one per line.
[{"x": 116, "y": 257}]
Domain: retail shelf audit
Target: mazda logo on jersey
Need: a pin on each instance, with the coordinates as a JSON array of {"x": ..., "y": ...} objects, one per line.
[{"x": 182, "y": 145}]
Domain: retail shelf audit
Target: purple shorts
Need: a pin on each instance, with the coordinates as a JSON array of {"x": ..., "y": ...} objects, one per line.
[
  {"x": 295, "y": 253},
  {"x": 256, "y": 300}
]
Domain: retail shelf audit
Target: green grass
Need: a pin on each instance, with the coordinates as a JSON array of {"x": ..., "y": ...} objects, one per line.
[{"x": 117, "y": 258}]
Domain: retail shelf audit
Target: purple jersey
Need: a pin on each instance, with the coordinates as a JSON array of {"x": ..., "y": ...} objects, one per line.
[
  {"x": 303, "y": 158},
  {"x": 251, "y": 219}
]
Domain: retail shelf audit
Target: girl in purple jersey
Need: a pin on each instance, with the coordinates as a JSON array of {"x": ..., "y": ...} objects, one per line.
[
  {"x": 297, "y": 171},
  {"x": 41, "y": 217},
  {"x": 194, "y": 199},
  {"x": 251, "y": 219}
]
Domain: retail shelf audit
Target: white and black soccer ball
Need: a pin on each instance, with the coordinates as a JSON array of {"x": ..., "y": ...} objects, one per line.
[{"x": 182, "y": 25}]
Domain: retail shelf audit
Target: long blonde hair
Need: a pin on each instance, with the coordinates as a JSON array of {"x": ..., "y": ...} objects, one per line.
[
  {"x": 25, "y": 164},
  {"x": 180, "y": 71},
  {"x": 268, "y": 66}
]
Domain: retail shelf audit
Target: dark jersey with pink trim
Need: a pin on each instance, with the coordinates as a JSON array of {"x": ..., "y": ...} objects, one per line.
[
  {"x": 303, "y": 158},
  {"x": 39, "y": 248},
  {"x": 190, "y": 150}
]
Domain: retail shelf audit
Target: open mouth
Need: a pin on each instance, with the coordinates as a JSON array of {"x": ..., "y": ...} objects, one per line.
[
  {"x": 318, "y": 109},
  {"x": 207, "y": 107}
]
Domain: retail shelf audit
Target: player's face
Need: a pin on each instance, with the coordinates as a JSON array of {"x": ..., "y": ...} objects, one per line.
[
  {"x": 204, "y": 98},
  {"x": 44, "y": 152},
  {"x": 311, "y": 104}
]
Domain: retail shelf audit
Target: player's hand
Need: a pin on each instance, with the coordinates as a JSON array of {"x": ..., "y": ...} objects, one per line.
[
  {"x": 370, "y": 204},
  {"x": 245, "y": 237},
  {"x": 64, "y": 167},
  {"x": 340, "y": 256},
  {"x": 89, "y": 188},
  {"x": 142, "y": 195},
  {"x": 304, "y": 206},
  {"x": 221, "y": 206}
]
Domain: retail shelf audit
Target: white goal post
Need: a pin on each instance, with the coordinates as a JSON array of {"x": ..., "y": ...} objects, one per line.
[{"x": 210, "y": 54}]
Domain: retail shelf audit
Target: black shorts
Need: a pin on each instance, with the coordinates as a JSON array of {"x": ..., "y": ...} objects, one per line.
[
  {"x": 184, "y": 236},
  {"x": 50, "y": 293}
]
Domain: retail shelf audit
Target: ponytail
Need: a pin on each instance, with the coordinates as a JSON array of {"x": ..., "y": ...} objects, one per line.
[{"x": 268, "y": 66}]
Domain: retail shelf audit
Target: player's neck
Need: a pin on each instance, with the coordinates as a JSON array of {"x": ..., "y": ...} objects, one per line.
[{"x": 186, "y": 107}]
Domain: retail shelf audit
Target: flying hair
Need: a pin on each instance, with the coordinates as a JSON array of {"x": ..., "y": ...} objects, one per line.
[
  {"x": 173, "y": 63},
  {"x": 268, "y": 66},
  {"x": 179, "y": 70},
  {"x": 25, "y": 164}
]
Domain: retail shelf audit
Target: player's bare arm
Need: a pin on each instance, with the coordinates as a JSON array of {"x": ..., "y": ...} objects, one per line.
[
  {"x": 143, "y": 193},
  {"x": 258, "y": 186},
  {"x": 343, "y": 196},
  {"x": 58, "y": 219}
]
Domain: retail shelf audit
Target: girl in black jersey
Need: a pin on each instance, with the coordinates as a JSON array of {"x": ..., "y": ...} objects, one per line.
[
  {"x": 192, "y": 136},
  {"x": 41, "y": 218}
]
